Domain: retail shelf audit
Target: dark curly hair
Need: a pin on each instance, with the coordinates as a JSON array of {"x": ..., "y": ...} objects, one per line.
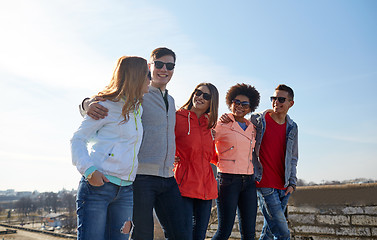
[{"x": 243, "y": 89}]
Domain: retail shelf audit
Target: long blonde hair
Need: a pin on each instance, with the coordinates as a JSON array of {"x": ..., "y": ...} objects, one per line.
[
  {"x": 213, "y": 108},
  {"x": 129, "y": 75}
]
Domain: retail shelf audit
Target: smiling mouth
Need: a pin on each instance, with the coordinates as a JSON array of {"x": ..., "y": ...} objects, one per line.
[
  {"x": 162, "y": 75},
  {"x": 239, "y": 111},
  {"x": 199, "y": 102}
]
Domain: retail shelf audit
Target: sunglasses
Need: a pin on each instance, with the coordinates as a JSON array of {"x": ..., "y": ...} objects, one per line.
[
  {"x": 244, "y": 104},
  {"x": 159, "y": 65},
  {"x": 280, "y": 99},
  {"x": 206, "y": 96}
]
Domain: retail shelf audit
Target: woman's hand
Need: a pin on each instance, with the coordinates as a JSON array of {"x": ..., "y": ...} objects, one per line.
[{"x": 97, "y": 179}]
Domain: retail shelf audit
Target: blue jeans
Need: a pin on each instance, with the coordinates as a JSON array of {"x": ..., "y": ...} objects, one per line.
[
  {"x": 197, "y": 213},
  {"x": 273, "y": 203},
  {"x": 103, "y": 211},
  {"x": 163, "y": 195},
  {"x": 236, "y": 193}
]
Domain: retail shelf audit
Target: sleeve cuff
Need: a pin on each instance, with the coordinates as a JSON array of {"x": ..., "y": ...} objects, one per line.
[
  {"x": 89, "y": 171},
  {"x": 81, "y": 107}
]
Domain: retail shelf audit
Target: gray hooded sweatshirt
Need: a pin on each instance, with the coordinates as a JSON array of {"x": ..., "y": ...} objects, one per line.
[{"x": 157, "y": 151}]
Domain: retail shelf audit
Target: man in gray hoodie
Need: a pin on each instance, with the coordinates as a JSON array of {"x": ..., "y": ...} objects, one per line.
[{"x": 155, "y": 186}]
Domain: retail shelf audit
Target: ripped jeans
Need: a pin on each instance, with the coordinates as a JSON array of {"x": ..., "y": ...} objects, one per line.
[{"x": 102, "y": 212}]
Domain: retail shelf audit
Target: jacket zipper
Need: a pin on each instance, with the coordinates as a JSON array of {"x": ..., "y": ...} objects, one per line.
[
  {"x": 201, "y": 141},
  {"x": 232, "y": 160},
  {"x": 137, "y": 139},
  {"x": 167, "y": 140},
  {"x": 248, "y": 165},
  {"x": 167, "y": 127},
  {"x": 231, "y": 148}
]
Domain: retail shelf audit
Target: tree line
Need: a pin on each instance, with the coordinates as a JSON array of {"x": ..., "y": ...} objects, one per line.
[{"x": 38, "y": 205}]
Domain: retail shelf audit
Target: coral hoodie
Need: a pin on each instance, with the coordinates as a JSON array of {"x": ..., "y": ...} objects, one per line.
[{"x": 195, "y": 148}]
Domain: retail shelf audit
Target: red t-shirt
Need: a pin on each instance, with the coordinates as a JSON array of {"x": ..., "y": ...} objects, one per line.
[{"x": 272, "y": 154}]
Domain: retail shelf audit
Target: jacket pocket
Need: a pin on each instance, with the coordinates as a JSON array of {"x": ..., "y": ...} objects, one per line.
[
  {"x": 228, "y": 160},
  {"x": 226, "y": 150},
  {"x": 120, "y": 161},
  {"x": 266, "y": 191},
  {"x": 225, "y": 181},
  {"x": 180, "y": 178},
  {"x": 226, "y": 165},
  {"x": 180, "y": 172}
]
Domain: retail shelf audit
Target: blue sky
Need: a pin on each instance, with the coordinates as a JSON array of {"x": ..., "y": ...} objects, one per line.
[{"x": 55, "y": 53}]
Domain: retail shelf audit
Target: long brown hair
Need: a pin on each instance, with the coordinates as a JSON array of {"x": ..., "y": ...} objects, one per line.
[
  {"x": 213, "y": 110},
  {"x": 129, "y": 75}
]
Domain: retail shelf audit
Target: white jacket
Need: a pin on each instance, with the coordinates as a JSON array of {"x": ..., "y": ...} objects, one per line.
[{"x": 115, "y": 145}]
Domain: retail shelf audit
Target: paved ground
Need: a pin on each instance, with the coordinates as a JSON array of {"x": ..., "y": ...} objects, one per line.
[{"x": 26, "y": 235}]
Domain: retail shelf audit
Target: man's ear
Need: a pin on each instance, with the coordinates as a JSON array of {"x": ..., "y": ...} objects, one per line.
[{"x": 291, "y": 103}]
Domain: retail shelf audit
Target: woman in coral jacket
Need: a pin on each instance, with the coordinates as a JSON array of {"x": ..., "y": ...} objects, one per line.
[
  {"x": 235, "y": 142},
  {"x": 195, "y": 148}
]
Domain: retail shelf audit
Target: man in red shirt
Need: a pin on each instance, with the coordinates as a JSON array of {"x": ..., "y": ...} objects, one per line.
[{"x": 277, "y": 152}]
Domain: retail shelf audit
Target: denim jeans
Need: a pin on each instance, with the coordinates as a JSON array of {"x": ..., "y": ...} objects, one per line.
[
  {"x": 236, "y": 193},
  {"x": 197, "y": 213},
  {"x": 103, "y": 211},
  {"x": 163, "y": 195},
  {"x": 273, "y": 203}
]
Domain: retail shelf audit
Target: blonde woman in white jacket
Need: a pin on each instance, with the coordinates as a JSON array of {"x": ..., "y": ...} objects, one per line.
[{"x": 105, "y": 193}]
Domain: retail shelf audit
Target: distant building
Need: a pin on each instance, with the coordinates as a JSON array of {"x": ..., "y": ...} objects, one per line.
[
  {"x": 54, "y": 219},
  {"x": 23, "y": 194},
  {"x": 8, "y": 192}
]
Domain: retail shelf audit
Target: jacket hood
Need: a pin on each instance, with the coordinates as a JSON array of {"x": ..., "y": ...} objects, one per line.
[{"x": 190, "y": 115}]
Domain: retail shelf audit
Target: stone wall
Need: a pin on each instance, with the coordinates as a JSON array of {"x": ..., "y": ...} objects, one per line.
[{"x": 339, "y": 212}]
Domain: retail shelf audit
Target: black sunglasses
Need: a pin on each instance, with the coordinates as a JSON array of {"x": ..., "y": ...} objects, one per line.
[
  {"x": 280, "y": 99},
  {"x": 206, "y": 96},
  {"x": 244, "y": 104},
  {"x": 159, "y": 65}
]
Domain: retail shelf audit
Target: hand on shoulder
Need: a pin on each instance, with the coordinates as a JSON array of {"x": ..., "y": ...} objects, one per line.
[
  {"x": 96, "y": 110},
  {"x": 225, "y": 118}
]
